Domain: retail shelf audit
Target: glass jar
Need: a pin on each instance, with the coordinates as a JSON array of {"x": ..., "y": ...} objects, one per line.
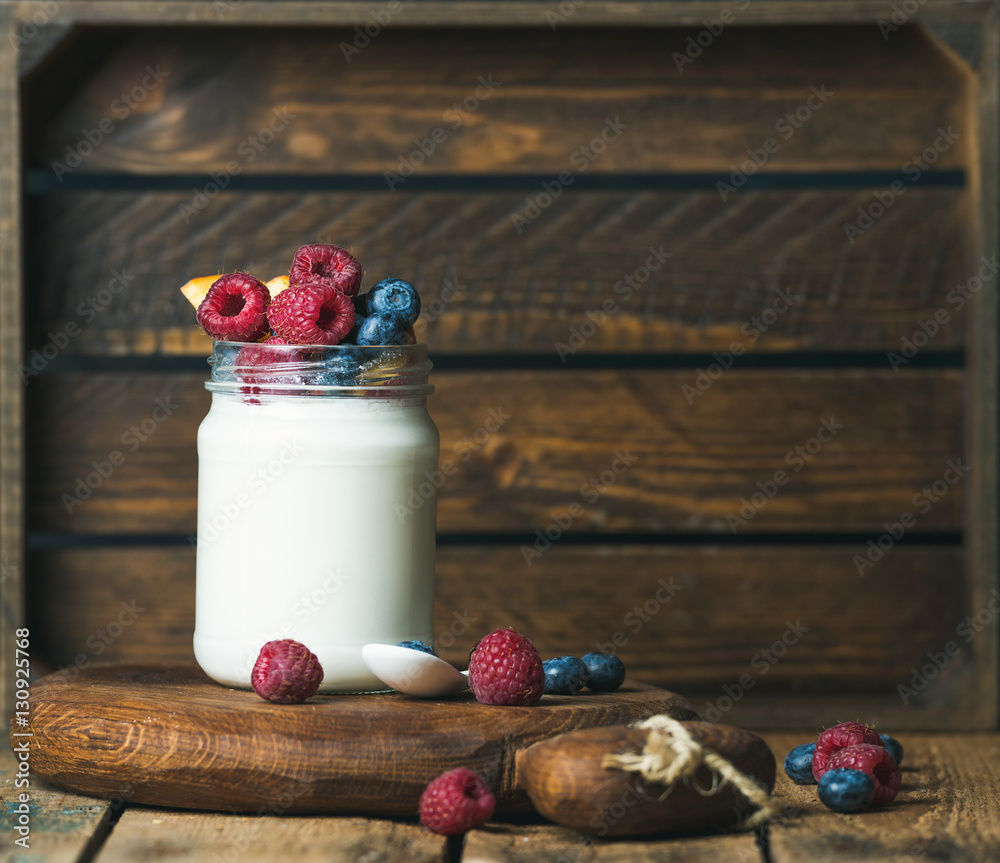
[{"x": 314, "y": 517}]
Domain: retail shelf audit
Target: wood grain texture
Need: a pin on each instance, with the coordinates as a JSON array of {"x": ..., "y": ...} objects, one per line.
[
  {"x": 568, "y": 782},
  {"x": 91, "y": 588},
  {"x": 596, "y": 451},
  {"x": 202, "y": 746},
  {"x": 487, "y": 288},
  {"x": 505, "y": 843},
  {"x": 64, "y": 827},
  {"x": 983, "y": 380},
  {"x": 946, "y": 809},
  {"x": 688, "y": 13},
  {"x": 693, "y": 619},
  {"x": 727, "y": 605},
  {"x": 874, "y": 320},
  {"x": 181, "y": 837},
  {"x": 11, "y": 348},
  {"x": 549, "y": 92}
]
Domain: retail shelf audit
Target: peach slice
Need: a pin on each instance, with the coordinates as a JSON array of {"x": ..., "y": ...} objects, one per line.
[
  {"x": 277, "y": 285},
  {"x": 195, "y": 290}
]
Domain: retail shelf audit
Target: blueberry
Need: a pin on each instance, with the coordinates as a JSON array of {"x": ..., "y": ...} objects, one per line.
[
  {"x": 565, "y": 675},
  {"x": 352, "y": 335},
  {"x": 382, "y": 328},
  {"x": 223, "y": 360},
  {"x": 844, "y": 790},
  {"x": 606, "y": 671},
  {"x": 417, "y": 645},
  {"x": 893, "y": 747},
  {"x": 340, "y": 368},
  {"x": 799, "y": 764},
  {"x": 395, "y": 295}
]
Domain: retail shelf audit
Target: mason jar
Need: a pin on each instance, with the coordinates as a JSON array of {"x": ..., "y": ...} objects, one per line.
[{"x": 315, "y": 520}]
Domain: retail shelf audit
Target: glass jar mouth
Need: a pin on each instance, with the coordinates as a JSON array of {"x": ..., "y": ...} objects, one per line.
[{"x": 319, "y": 370}]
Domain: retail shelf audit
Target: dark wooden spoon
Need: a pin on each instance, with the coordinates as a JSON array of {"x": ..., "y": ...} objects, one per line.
[{"x": 568, "y": 784}]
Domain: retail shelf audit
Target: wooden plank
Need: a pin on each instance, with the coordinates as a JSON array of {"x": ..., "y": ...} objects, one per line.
[
  {"x": 156, "y": 586},
  {"x": 984, "y": 381},
  {"x": 63, "y": 827},
  {"x": 11, "y": 350},
  {"x": 293, "y": 104},
  {"x": 156, "y": 478},
  {"x": 766, "y": 271},
  {"x": 943, "y": 811},
  {"x": 689, "y": 13},
  {"x": 528, "y": 843},
  {"x": 694, "y": 618},
  {"x": 527, "y": 451},
  {"x": 36, "y": 42},
  {"x": 185, "y": 836},
  {"x": 957, "y": 709},
  {"x": 729, "y": 605}
]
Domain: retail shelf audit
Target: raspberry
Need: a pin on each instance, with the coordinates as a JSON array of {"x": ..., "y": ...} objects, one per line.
[
  {"x": 286, "y": 672},
  {"x": 456, "y": 802},
  {"x": 505, "y": 668},
  {"x": 312, "y": 313},
  {"x": 330, "y": 262},
  {"x": 876, "y": 762},
  {"x": 256, "y": 354},
  {"x": 837, "y": 737},
  {"x": 254, "y": 364},
  {"x": 235, "y": 308}
]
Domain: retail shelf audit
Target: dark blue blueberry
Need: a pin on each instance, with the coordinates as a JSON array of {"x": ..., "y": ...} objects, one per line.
[
  {"x": 382, "y": 329},
  {"x": 565, "y": 675},
  {"x": 395, "y": 295},
  {"x": 799, "y": 764},
  {"x": 340, "y": 368},
  {"x": 606, "y": 671},
  {"x": 332, "y": 378},
  {"x": 223, "y": 360},
  {"x": 844, "y": 790},
  {"x": 417, "y": 645},
  {"x": 893, "y": 746},
  {"x": 352, "y": 336}
]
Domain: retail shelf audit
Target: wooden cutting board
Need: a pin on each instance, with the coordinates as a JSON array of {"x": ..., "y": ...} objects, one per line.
[{"x": 170, "y": 736}]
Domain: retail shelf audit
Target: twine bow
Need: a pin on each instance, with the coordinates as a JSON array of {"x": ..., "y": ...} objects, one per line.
[{"x": 672, "y": 755}]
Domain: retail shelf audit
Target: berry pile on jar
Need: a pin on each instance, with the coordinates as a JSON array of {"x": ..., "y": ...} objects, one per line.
[{"x": 319, "y": 302}]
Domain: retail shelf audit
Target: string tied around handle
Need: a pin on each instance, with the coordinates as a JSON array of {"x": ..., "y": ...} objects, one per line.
[{"x": 672, "y": 755}]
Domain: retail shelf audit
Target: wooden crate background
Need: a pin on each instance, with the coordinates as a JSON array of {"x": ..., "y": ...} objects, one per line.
[{"x": 508, "y": 299}]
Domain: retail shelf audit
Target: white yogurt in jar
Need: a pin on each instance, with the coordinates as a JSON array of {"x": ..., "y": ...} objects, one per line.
[{"x": 312, "y": 526}]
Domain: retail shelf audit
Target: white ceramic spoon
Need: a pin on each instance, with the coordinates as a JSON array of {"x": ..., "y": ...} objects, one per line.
[{"x": 413, "y": 672}]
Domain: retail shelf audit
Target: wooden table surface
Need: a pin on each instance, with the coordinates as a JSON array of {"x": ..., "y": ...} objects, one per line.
[{"x": 948, "y": 809}]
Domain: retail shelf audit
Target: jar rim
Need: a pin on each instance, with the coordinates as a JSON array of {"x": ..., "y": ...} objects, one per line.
[{"x": 319, "y": 370}]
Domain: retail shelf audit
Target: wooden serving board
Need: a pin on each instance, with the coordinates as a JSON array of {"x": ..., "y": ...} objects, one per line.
[{"x": 170, "y": 736}]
